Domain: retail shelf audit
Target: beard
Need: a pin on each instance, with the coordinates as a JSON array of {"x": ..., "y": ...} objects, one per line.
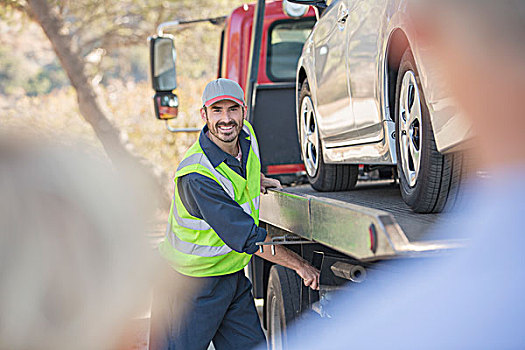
[{"x": 225, "y": 135}]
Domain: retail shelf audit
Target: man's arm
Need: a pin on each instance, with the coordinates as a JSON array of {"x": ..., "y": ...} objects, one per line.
[
  {"x": 284, "y": 256},
  {"x": 205, "y": 199},
  {"x": 291, "y": 260}
]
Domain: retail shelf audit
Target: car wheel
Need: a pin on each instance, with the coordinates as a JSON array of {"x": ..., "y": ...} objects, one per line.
[
  {"x": 425, "y": 175},
  {"x": 322, "y": 177},
  {"x": 282, "y": 305}
]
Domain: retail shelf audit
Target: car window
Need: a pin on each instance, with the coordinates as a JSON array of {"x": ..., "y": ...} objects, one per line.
[{"x": 285, "y": 44}]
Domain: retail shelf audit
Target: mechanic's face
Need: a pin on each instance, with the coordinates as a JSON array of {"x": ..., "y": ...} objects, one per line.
[{"x": 224, "y": 120}]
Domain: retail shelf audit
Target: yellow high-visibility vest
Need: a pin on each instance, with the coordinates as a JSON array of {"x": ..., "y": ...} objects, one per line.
[{"x": 191, "y": 246}]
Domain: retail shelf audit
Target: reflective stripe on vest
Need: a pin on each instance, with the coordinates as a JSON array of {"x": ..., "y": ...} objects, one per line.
[
  {"x": 195, "y": 249},
  {"x": 246, "y": 206},
  {"x": 200, "y": 158},
  {"x": 192, "y": 224},
  {"x": 253, "y": 140}
]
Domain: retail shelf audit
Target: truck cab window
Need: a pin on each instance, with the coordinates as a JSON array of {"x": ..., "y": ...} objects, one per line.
[{"x": 285, "y": 46}]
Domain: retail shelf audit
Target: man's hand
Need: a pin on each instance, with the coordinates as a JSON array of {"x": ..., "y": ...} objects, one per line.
[
  {"x": 269, "y": 183},
  {"x": 287, "y": 258},
  {"x": 310, "y": 275}
]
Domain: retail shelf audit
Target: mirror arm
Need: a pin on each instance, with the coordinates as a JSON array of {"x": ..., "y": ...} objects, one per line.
[
  {"x": 172, "y": 129},
  {"x": 164, "y": 25},
  {"x": 168, "y": 25}
]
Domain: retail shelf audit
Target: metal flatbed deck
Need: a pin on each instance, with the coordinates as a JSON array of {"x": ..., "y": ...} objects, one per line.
[{"x": 368, "y": 223}]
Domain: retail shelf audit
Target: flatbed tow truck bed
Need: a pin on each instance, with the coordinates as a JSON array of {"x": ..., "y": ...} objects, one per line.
[{"x": 368, "y": 223}]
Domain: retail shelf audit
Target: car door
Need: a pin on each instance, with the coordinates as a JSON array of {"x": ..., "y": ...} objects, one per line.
[
  {"x": 332, "y": 95},
  {"x": 366, "y": 24}
]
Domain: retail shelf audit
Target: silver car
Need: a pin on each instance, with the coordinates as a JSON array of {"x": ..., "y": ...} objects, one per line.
[{"x": 366, "y": 96}]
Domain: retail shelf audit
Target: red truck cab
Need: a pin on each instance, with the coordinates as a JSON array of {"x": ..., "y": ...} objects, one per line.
[
  {"x": 273, "y": 115},
  {"x": 237, "y": 34}
]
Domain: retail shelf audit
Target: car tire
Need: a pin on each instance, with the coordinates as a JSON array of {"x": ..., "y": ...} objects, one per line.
[
  {"x": 322, "y": 177},
  {"x": 426, "y": 177},
  {"x": 282, "y": 305}
]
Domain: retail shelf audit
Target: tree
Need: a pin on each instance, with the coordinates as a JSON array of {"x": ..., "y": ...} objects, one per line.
[
  {"x": 82, "y": 32},
  {"x": 73, "y": 38}
]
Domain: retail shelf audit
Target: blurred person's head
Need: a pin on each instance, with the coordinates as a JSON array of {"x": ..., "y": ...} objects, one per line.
[
  {"x": 479, "y": 48},
  {"x": 74, "y": 264}
]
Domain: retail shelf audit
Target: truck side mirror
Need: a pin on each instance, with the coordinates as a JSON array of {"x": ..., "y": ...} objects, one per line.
[
  {"x": 162, "y": 62},
  {"x": 163, "y": 76}
]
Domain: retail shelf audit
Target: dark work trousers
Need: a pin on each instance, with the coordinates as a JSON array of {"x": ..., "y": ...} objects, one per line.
[{"x": 219, "y": 309}]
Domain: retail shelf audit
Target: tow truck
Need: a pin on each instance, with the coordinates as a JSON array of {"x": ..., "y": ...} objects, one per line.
[{"x": 344, "y": 234}]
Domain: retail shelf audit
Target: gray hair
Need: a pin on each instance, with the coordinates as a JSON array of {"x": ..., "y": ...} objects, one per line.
[{"x": 74, "y": 264}]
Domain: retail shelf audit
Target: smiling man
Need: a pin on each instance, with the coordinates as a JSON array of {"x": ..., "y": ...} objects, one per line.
[{"x": 213, "y": 230}]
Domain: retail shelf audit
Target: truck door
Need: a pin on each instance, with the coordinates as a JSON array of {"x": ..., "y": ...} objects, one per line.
[
  {"x": 333, "y": 99},
  {"x": 274, "y": 110}
]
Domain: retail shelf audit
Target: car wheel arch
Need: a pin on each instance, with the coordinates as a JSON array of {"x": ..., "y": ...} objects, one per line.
[
  {"x": 301, "y": 77},
  {"x": 303, "y": 74},
  {"x": 397, "y": 44}
]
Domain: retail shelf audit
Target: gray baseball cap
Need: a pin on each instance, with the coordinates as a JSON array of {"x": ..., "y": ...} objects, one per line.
[{"x": 222, "y": 89}]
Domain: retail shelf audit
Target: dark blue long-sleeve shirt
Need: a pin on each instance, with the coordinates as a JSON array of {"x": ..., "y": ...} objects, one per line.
[{"x": 205, "y": 199}]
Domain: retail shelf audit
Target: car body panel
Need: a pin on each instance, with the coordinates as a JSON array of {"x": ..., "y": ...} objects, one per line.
[
  {"x": 368, "y": 43},
  {"x": 333, "y": 100}
]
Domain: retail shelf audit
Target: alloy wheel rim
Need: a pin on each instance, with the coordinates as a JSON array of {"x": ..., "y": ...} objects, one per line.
[
  {"x": 410, "y": 124},
  {"x": 309, "y": 137}
]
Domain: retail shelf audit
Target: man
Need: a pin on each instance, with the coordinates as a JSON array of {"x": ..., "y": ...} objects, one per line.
[
  {"x": 473, "y": 297},
  {"x": 213, "y": 229}
]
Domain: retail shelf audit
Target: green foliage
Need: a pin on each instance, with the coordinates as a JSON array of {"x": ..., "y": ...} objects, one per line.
[
  {"x": 48, "y": 78},
  {"x": 7, "y": 7},
  {"x": 15, "y": 78},
  {"x": 112, "y": 35},
  {"x": 11, "y": 75}
]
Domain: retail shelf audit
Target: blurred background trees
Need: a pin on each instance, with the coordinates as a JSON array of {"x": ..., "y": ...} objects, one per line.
[{"x": 105, "y": 43}]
